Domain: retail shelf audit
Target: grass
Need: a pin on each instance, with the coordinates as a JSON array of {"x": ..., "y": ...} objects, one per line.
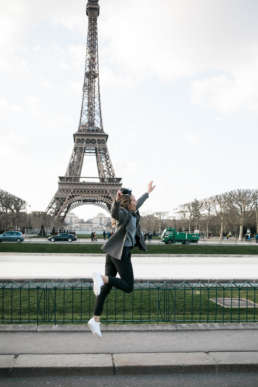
[
  {"x": 93, "y": 248},
  {"x": 51, "y": 248},
  {"x": 167, "y": 305}
]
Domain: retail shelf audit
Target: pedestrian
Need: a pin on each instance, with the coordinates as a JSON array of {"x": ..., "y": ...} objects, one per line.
[
  {"x": 104, "y": 235},
  {"x": 118, "y": 251}
]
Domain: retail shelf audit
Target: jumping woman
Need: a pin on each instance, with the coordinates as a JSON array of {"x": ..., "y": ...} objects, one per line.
[{"x": 118, "y": 251}]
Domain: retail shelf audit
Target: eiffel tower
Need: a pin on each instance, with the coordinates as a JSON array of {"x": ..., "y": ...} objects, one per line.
[{"x": 90, "y": 139}]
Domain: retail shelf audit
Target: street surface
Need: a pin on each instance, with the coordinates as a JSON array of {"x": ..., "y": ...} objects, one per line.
[
  {"x": 230, "y": 242},
  {"x": 227, "y": 379}
]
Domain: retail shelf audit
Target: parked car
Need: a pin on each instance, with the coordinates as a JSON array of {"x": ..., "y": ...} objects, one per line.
[
  {"x": 11, "y": 236},
  {"x": 62, "y": 236},
  {"x": 74, "y": 234}
]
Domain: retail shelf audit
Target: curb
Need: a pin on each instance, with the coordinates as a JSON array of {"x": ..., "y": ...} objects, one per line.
[
  {"x": 127, "y": 364},
  {"x": 129, "y": 327}
]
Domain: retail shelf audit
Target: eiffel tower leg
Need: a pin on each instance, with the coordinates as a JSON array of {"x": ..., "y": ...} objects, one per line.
[
  {"x": 104, "y": 164},
  {"x": 108, "y": 165},
  {"x": 100, "y": 165},
  {"x": 76, "y": 162}
]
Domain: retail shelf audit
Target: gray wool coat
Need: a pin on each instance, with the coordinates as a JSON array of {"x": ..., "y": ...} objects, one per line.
[{"x": 114, "y": 245}]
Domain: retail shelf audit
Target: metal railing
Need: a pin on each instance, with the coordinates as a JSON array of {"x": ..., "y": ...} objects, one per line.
[{"x": 63, "y": 302}]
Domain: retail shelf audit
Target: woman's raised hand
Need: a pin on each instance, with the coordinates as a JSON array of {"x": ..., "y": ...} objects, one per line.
[
  {"x": 118, "y": 195},
  {"x": 151, "y": 187}
]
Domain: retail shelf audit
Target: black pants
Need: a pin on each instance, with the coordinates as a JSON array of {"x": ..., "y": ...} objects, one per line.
[{"x": 125, "y": 270}]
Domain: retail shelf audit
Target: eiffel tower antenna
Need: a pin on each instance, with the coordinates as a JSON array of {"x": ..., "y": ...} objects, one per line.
[{"x": 75, "y": 190}]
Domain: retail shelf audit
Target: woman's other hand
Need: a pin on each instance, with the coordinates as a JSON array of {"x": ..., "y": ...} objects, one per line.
[{"x": 151, "y": 187}]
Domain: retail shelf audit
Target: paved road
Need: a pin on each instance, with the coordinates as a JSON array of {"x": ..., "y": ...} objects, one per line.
[
  {"x": 212, "y": 242},
  {"x": 31, "y": 266},
  {"x": 226, "y": 379},
  {"x": 78, "y": 241}
]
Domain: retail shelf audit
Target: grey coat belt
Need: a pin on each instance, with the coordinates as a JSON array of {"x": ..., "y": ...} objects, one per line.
[{"x": 114, "y": 245}]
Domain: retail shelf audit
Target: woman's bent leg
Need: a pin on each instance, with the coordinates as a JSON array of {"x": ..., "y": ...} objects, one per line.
[
  {"x": 125, "y": 270},
  {"x": 110, "y": 270}
]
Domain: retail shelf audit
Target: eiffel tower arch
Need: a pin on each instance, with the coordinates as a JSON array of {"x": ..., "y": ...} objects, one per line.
[{"x": 90, "y": 140}]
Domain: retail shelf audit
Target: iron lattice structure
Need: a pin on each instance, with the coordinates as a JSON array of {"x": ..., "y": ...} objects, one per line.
[{"x": 90, "y": 139}]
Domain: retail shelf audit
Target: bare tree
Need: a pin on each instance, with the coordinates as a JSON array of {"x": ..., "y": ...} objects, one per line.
[
  {"x": 149, "y": 223},
  {"x": 196, "y": 207},
  {"x": 255, "y": 205},
  {"x": 229, "y": 211},
  {"x": 185, "y": 210},
  {"x": 220, "y": 204},
  {"x": 11, "y": 208},
  {"x": 242, "y": 200},
  {"x": 161, "y": 216},
  {"x": 207, "y": 210},
  {"x": 11, "y": 203}
]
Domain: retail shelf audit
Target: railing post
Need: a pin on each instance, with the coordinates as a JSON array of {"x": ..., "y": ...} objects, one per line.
[
  {"x": 37, "y": 298},
  {"x": 55, "y": 305}
]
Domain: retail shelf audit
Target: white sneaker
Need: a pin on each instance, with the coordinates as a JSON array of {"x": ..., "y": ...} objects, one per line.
[
  {"x": 94, "y": 327},
  {"x": 97, "y": 283}
]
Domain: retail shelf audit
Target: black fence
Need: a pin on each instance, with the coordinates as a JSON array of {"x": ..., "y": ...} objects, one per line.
[{"x": 63, "y": 302}]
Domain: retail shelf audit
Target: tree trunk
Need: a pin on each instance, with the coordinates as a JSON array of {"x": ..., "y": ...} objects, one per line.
[
  {"x": 221, "y": 228},
  {"x": 256, "y": 213},
  {"x": 241, "y": 228}
]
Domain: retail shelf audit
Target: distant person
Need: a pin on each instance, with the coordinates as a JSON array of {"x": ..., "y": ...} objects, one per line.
[
  {"x": 118, "y": 248},
  {"x": 256, "y": 238},
  {"x": 92, "y": 236},
  {"x": 104, "y": 235}
]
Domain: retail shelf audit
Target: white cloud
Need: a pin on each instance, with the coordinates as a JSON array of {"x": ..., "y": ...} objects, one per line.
[
  {"x": 192, "y": 138},
  {"x": 186, "y": 39},
  {"x": 230, "y": 93},
  {"x": 173, "y": 39},
  {"x": 46, "y": 84},
  {"x": 11, "y": 144},
  {"x": 6, "y": 107},
  {"x": 111, "y": 78}
]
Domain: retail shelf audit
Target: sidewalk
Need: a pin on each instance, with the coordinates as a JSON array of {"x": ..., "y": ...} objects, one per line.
[
  {"x": 30, "y": 266},
  {"x": 131, "y": 349}
]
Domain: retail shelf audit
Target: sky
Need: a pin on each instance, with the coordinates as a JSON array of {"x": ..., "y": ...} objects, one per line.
[{"x": 179, "y": 92}]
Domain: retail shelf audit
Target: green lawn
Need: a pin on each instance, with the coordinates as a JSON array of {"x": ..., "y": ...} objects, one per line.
[
  {"x": 163, "y": 305},
  {"x": 90, "y": 248}
]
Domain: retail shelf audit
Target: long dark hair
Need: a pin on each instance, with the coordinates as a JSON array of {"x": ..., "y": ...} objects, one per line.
[{"x": 125, "y": 202}]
